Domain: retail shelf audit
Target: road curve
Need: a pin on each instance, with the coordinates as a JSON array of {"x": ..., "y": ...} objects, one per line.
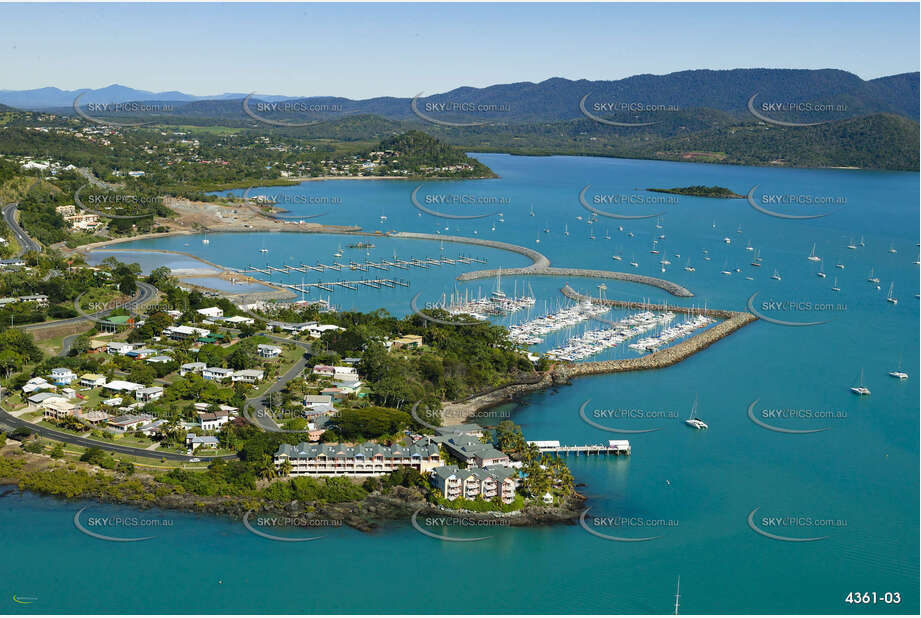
[
  {"x": 145, "y": 293},
  {"x": 263, "y": 421},
  {"x": 26, "y": 244},
  {"x": 52, "y": 434}
]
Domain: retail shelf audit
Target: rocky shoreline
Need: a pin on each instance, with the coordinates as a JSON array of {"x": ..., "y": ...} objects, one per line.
[{"x": 397, "y": 504}]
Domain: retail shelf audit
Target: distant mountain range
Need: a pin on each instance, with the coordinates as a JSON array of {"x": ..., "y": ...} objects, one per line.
[
  {"x": 555, "y": 99},
  {"x": 48, "y": 98}
]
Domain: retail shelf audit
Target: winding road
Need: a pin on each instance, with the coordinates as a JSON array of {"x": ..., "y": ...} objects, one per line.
[
  {"x": 265, "y": 421},
  {"x": 26, "y": 244}
]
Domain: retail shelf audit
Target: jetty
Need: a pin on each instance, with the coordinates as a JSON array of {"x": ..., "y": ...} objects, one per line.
[
  {"x": 329, "y": 286},
  {"x": 613, "y": 447},
  {"x": 365, "y": 266}
]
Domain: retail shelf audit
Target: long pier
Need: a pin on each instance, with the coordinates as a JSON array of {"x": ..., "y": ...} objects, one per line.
[
  {"x": 367, "y": 265},
  {"x": 329, "y": 286},
  {"x": 613, "y": 447}
]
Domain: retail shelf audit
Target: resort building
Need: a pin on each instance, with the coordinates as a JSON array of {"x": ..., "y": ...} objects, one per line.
[
  {"x": 472, "y": 483},
  {"x": 367, "y": 459},
  {"x": 474, "y": 453}
]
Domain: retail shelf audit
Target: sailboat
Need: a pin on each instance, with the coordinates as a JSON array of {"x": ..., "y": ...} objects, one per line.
[
  {"x": 547, "y": 229},
  {"x": 756, "y": 260},
  {"x": 634, "y": 263},
  {"x": 861, "y": 241},
  {"x": 532, "y": 210},
  {"x": 607, "y": 234},
  {"x": 706, "y": 255},
  {"x": 834, "y": 287},
  {"x": 851, "y": 244},
  {"x": 654, "y": 249},
  {"x": 749, "y": 247},
  {"x": 898, "y": 373},
  {"x": 739, "y": 230},
  {"x": 693, "y": 421},
  {"x": 677, "y": 592},
  {"x": 338, "y": 252},
  {"x": 726, "y": 270},
  {"x": 658, "y": 223},
  {"x": 812, "y": 256},
  {"x": 872, "y": 278},
  {"x": 566, "y": 230},
  {"x": 892, "y": 249},
  {"x": 776, "y": 275},
  {"x": 617, "y": 257},
  {"x": 839, "y": 264},
  {"x": 821, "y": 272},
  {"x": 688, "y": 267},
  {"x": 860, "y": 389},
  {"x": 889, "y": 297}
]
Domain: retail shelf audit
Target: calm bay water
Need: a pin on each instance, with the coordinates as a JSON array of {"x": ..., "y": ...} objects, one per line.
[{"x": 861, "y": 472}]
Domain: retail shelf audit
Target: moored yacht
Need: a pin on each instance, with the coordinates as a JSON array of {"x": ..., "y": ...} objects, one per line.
[
  {"x": 821, "y": 272},
  {"x": 693, "y": 421},
  {"x": 872, "y": 278},
  {"x": 776, "y": 275},
  {"x": 860, "y": 389},
  {"x": 889, "y": 297},
  {"x": 812, "y": 256},
  {"x": 834, "y": 287}
]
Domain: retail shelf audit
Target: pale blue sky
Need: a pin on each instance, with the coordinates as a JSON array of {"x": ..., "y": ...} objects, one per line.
[{"x": 364, "y": 50}]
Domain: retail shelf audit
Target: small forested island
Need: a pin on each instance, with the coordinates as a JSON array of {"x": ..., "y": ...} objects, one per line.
[{"x": 701, "y": 191}]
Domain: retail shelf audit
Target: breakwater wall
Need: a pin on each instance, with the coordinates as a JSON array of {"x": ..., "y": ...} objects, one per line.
[
  {"x": 541, "y": 265},
  {"x": 720, "y": 314}
]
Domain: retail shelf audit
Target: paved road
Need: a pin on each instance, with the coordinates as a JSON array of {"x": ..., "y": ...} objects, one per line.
[
  {"x": 26, "y": 244},
  {"x": 252, "y": 408},
  {"x": 145, "y": 293},
  {"x": 12, "y": 422}
]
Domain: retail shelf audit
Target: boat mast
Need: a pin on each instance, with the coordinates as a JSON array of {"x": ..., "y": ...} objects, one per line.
[{"x": 677, "y": 594}]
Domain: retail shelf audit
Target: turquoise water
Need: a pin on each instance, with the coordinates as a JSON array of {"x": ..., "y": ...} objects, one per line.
[{"x": 862, "y": 471}]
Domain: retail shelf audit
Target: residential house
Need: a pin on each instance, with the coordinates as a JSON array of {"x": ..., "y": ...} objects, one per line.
[
  {"x": 57, "y": 407},
  {"x": 268, "y": 351},
  {"x": 62, "y": 376},
  {"x": 410, "y": 342},
  {"x": 118, "y": 347},
  {"x": 39, "y": 397},
  {"x": 237, "y": 320},
  {"x": 291, "y": 327},
  {"x": 37, "y": 384},
  {"x": 122, "y": 386},
  {"x": 151, "y": 393},
  {"x": 128, "y": 422},
  {"x": 92, "y": 379},
  {"x": 249, "y": 376},
  {"x": 217, "y": 373},
  {"x": 185, "y": 332},
  {"x": 160, "y": 359},
  {"x": 213, "y": 421},
  {"x": 191, "y": 368},
  {"x": 210, "y": 312},
  {"x": 194, "y": 441}
]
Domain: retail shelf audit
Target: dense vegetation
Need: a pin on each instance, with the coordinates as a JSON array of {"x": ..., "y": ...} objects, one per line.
[{"x": 700, "y": 191}]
